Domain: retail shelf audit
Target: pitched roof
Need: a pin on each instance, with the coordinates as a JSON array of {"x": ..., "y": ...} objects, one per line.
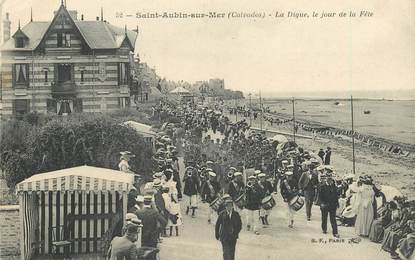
[
  {"x": 97, "y": 34},
  {"x": 179, "y": 90},
  {"x": 34, "y": 31},
  {"x": 102, "y": 35}
]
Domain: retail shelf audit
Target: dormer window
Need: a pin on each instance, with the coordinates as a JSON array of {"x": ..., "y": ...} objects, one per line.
[
  {"x": 20, "y": 38},
  {"x": 19, "y": 42}
]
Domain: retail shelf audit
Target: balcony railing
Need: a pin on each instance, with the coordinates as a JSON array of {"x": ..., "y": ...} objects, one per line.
[{"x": 63, "y": 89}]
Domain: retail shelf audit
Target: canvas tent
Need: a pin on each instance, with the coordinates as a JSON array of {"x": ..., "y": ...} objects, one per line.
[
  {"x": 143, "y": 129},
  {"x": 80, "y": 204},
  {"x": 184, "y": 94}
]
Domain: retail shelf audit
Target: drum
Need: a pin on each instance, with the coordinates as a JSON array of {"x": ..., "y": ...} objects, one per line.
[
  {"x": 240, "y": 201},
  {"x": 268, "y": 202},
  {"x": 215, "y": 205},
  {"x": 296, "y": 203}
]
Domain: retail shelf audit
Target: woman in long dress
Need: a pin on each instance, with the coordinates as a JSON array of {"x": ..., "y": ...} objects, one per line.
[
  {"x": 378, "y": 226},
  {"x": 364, "y": 208},
  {"x": 173, "y": 205}
]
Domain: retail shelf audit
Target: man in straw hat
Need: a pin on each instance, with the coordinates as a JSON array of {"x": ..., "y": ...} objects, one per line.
[
  {"x": 151, "y": 220},
  {"x": 288, "y": 191},
  {"x": 266, "y": 189},
  {"x": 329, "y": 201},
  {"x": 210, "y": 191},
  {"x": 307, "y": 184},
  {"x": 191, "y": 189},
  {"x": 236, "y": 188},
  {"x": 253, "y": 203},
  {"x": 227, "y": 229}
]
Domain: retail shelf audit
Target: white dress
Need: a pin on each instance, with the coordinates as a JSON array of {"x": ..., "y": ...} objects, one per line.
[
  {"x": 174, "y": 205},
  {"x": 364, "y": 210}
]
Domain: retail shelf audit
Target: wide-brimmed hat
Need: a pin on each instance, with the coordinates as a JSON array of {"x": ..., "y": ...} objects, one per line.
[
  {"x": 257, "y": 172},
  {"x": 252, "y": 177},
  {"x": 329, "y": 167},
  {"x": 156, "y": 183},
  {"x": 288, "y": 173},
  {"x": 212, "y": 174},
  {"x": 139, "y": 198},
  {"x": 130, "y": 216},
  {"x": 237, "y": 174},
  {"x": 262, "y": 175},
  {"x": 157, "y": 175}
]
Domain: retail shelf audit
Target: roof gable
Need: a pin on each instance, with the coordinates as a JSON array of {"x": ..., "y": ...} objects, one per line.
[
  {"x": 62, "y": 11},
  {"x": 95, "y": 34},
  {"x": 19, "y": 33}
]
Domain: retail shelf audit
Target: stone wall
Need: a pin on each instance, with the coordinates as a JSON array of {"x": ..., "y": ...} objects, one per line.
[{"x": 9, "y": 230}]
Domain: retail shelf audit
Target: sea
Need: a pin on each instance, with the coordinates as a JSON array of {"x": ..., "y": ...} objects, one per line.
[{"x": 390, "y": 119}]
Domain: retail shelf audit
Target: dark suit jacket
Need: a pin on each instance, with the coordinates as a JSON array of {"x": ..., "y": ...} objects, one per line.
[
  {"x": 307, "y": 184},
  {"x": 235, "y": 192},
  {"x": 328, "y": 196},
  {"x": 151, "y": 220},
  {"x": 159, "y": 201},
  {"x": 227, "y": 229}
]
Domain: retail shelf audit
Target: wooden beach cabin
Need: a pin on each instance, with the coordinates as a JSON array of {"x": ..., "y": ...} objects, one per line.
[{"x": 72, "y": 211}]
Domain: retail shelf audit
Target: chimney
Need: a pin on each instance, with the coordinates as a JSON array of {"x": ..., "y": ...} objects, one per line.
[
  {"x": 6, "y": 28},
  {"x": 82, "y": 17},
  {"x": 97, "y": 18}
]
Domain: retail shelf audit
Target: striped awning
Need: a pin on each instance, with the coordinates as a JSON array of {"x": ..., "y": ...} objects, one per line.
[{"x": 82, "y": 178}]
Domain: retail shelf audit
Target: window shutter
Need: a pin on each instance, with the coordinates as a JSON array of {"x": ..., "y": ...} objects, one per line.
[
  {"x": 77, "y": 105},
  {"x": 119, "y": 73},
  {"x": 55, "y": 73},
  {"x": 14, "y": 75},
  {"x": 73, "y": 72},
  {"x": 27, "y": 105},
  {"x": 27, "y": 75},
  {"x": 14, "y": 106}
]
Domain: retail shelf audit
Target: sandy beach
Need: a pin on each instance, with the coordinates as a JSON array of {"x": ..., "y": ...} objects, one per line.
[{"x": 385, "y": 168}]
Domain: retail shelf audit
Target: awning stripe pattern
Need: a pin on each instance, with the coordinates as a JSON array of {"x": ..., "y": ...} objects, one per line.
[{"x": 82, "y": 178}]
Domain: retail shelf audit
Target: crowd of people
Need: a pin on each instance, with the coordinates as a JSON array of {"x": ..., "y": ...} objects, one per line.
[{"x": 239, "y": 173}]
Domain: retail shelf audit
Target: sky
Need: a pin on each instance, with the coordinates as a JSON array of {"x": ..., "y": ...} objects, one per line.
[{"x": 269, "y": 55}]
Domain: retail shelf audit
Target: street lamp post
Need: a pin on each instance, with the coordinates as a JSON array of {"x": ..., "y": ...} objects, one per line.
[{"x": 294, "y": 118}]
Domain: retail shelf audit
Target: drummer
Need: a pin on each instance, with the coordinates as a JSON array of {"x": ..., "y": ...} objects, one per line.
[
  {"x": 236, "y": 188},
  {"x": 288, "y": 191},
  {"x": 253, "y": 203},
  {"x": 267, "y": 190},
  {"x": 210, "y": 192}
]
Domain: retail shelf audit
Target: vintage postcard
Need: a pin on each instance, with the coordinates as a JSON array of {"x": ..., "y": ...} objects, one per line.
[{"x": 178, "y": 130}]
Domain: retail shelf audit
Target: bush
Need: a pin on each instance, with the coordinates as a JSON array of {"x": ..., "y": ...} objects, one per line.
[{"x": 63, "y": 142}]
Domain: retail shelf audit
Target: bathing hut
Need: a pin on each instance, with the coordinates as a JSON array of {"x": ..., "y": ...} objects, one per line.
[{"x": 72, "y": 211}]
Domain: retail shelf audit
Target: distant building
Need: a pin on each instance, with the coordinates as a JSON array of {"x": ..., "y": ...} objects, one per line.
[
  {"x": 217, "y": 84},
  {"x": 67, "y": 65}
]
